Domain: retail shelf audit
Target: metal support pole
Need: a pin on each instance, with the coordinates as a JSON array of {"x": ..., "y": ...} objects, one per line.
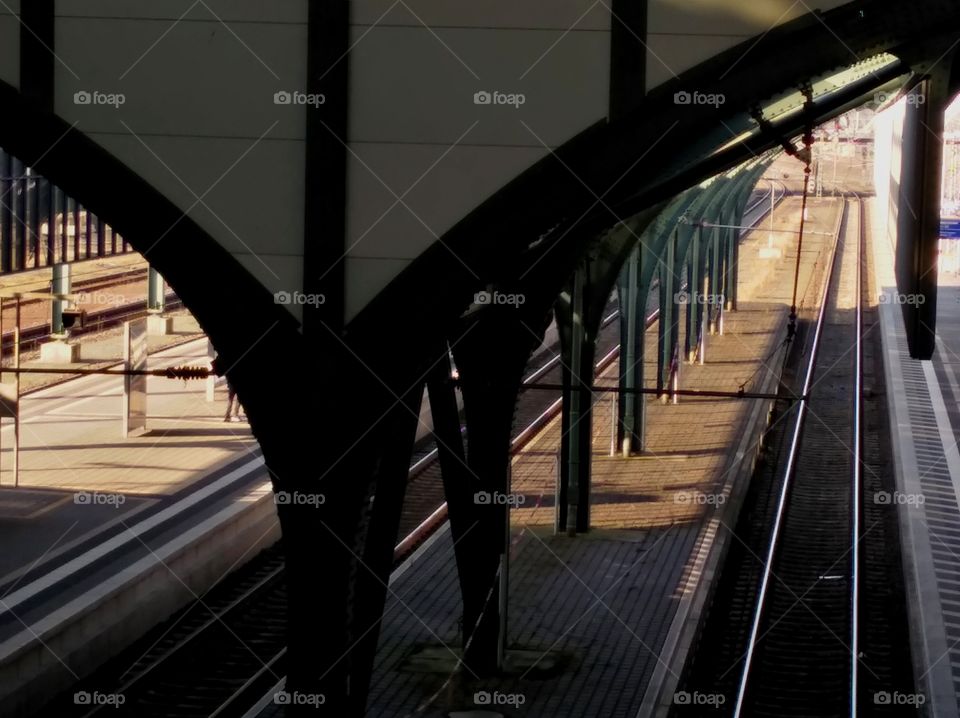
[
  {"x": 773, "y": 204},
  {"x": 35, "y": 220},
  {"x": 575, "y": 396},
  {"x": 733, "y": 256},
  {"x": 61, "y": 285},
  {"x": 693, "y": 286},
  {"x": 504, "y": 594},
  {"x": 87, "y": 233},
  {"x": 101, "y": 237},
  {"x": 18, "y": 205},
  {"x": 668, "y": 303},
  {"x": 155, "y": 293},
  {"x": 16, "y": 419},
  {"x": 62, "y": 206},
  {"x": 53, "y": 203},
  {"x": 558, "y": 470},
  {"x": 74, "y": 214},
  {"x": 715, "y": 289},
  {"x": 630, "y": 428},
  {"x": 6, "y": 213},
  {"x": 613, "y": 425}
]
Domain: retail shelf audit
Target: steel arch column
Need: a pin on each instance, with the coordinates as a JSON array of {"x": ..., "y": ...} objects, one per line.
[
  {"x": 668, "y": 334},
  {"x": 633, "y": 303},
  {"x": 491, "y": 356}
]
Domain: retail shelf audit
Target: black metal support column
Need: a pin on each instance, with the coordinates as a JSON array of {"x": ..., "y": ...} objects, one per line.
[
  {"x": 88, "y": 232},
  {"x": 6, "y": 211},
  {"x": 918, "y": 221},
  {"x": 491, "y": 358},
  {"x": 36, "y": 218},
  {"x": 37, "y": 43},
  {"x": 373, "y": 576},
  {"x": 63, "y": 203},
  {"x": 53, "y": 199},
  {"x": 20, "y": 228},
  {"x": 325, "y": 184},
  {"x": 458, "y": 485},
  {"x": 74, "y": 212},
  {"x": 101, "y": 231}
]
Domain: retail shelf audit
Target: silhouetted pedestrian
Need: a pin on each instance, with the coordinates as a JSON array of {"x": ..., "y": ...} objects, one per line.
[{"x": 233, "y": 403}]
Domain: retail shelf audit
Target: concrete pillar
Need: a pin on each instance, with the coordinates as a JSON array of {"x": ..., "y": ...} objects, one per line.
[
  {"x": 155, "y": 291},
  {"x": 61, "y": 285},
  {"x": 157, "y": 324}
]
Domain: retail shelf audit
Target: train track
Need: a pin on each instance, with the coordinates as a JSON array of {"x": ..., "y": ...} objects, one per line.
[
  {"x": 785, "y": 633},
  {"x": 32, "y": 337},
  {"x": 236, "y": 640}
]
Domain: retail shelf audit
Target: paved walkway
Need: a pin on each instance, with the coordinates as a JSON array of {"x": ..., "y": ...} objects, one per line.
[
  {"x": 71, "y": 441},
  {"x": 923, "y": 398}
]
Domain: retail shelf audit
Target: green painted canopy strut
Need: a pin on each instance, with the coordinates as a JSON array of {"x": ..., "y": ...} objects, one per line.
[{"x": 690, "y": 248}]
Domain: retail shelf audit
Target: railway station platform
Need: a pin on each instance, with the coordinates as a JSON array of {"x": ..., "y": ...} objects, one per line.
[
  {"x": 95, "y": 526},
  {"x": 923, "y": 400},
  {"x": 601, "y": 624}
]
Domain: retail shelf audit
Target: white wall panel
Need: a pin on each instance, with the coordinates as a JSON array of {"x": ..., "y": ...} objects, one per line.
[
  {"x": 188, "y": 78},
  {"x": 274, "y": 11},
  {"x": 557, "y": 14},
  {"x": 285, "y": 275},
  {"x": 198, "y": 115},
  {"x": 414, "y": 116},
  {"x": 256, "y": 190}
]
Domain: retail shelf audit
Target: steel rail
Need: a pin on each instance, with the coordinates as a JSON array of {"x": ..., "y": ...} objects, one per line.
[{"x": 789, "y": 473}]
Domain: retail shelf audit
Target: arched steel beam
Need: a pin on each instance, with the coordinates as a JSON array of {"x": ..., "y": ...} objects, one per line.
[{"x": 568, "y": 182}]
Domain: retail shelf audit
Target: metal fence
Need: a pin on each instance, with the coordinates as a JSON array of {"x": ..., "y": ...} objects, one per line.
[{"x": 40, "y": 225}]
